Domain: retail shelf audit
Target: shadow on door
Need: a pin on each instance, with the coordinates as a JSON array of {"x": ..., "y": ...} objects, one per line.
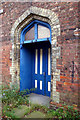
[{"x": 35, "y": 67}]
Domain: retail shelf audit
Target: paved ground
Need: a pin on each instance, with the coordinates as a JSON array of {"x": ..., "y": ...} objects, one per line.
[
  {"x": 36, "y": 114},
  {"x": 39, "y": 99},
  {"x": 20, "y": 111}
]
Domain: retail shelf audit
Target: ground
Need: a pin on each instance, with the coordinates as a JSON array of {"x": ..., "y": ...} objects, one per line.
[
  {"x": 21, "y": 105},
  {"x": 39, "y": 99},
  {"x": 21, "y": 111},
  {"x": 34, "y": 99}
]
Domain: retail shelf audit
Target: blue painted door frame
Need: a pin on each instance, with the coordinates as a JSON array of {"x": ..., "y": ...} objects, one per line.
[
  {"x": 27, "y": 60},
  {"x": 34, "y": 23}
]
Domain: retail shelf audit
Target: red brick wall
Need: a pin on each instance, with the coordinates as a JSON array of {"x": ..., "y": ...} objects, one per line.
[
  {"x": 68, "y": 16},
  {"x": 6, "y": 63},
  {"x": 11, "y": 12}
]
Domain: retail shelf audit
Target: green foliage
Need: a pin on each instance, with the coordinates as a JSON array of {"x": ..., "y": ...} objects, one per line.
[
  {"x": 59, "y": 113},
  {"x": 8, "y": 115},
  {"x": 68, "y": 113},
  {"x": 38, "y": 107},
  {"x": 12, "y": 98}
]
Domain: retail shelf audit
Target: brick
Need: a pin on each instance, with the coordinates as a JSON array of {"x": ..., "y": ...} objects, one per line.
[{"x": 65, "y": 43}]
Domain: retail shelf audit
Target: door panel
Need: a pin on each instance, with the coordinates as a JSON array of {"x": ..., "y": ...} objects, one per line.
[
  {"x": 48, "y": 61},
  {"x": 41, "y": 60},
  {"x": 35, "y": 83},
  {"x": 36, "y": 60},
  {"x": 48, "y": 70},
  {"x": 49, "y": 86}
]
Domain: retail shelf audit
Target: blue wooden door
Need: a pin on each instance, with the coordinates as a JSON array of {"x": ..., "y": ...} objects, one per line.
[{"x": 41, "y": 78}]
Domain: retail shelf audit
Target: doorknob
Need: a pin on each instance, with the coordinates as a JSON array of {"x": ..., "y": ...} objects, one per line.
[{"x": 44, "y": 73}]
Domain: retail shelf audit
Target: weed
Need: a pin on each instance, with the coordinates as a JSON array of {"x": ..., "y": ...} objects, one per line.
[{"x": 12, "y": 98}]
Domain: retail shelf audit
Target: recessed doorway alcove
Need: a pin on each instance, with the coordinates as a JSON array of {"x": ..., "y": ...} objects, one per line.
[{"x": 35, "y": 57}]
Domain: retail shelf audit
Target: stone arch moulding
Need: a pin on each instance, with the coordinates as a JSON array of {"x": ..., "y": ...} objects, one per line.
[{"x": 29, "y": 15}]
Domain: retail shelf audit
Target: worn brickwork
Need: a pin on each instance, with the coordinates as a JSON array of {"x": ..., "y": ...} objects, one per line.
[
  {"x": 66, "y": 78},
  {"x": 68, "y": 63},
  {"x": 11, "y": 11}
]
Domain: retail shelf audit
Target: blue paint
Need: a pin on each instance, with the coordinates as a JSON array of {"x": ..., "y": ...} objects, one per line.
[
  {"x": 45, "y": 78},
  {"x": 27, "y": 59},
  {"x": 34, "y": 23},
  {"x": 36, "y": 33},
  {"x": 25, "y": 67}
]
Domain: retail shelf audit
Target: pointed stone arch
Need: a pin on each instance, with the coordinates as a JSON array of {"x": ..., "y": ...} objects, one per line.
[{"x": 29, "y": 15}]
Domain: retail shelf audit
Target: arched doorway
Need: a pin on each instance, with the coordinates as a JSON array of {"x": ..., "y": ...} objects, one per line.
[
  {"x": 35, "y": 57},
  {"x": 48, "y": 16}
]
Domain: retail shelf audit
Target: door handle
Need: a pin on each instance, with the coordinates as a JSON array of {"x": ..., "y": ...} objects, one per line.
[{"x": 44, "y": 73}]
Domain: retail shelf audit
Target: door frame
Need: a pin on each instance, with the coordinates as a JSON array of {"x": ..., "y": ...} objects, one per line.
[
  {"x": 34, "y": 23},
  {"x": 29, "y": 26}
]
